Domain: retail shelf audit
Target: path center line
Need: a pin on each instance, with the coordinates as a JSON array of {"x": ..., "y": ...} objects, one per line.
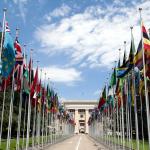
[{"x": 77, "y": 147}]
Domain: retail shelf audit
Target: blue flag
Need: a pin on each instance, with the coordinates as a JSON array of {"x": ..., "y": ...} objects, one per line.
[{"x": 8, "y": 55}]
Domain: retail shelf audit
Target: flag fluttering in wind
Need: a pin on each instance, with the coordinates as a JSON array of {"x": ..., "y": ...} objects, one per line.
[
  {"x": 8, "y": 54},
  {"x": 102, "y": 98},
  {"x": 18, "y": 51}
]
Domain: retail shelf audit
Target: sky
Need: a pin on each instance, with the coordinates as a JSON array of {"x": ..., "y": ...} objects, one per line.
[{"x": 76, "y": 41}]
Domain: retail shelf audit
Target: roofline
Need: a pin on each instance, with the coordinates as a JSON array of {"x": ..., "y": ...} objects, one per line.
[{"x": 80, "y": 101}]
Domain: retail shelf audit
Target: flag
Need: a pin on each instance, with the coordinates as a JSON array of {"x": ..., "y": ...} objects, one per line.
[
  {"x": 33, "y": 92},
  {"x": 25, "y": 87},
  {"x": 17, "y": 76},
  {"x": 102, "y": 98},
  {"x": 118, "y": 91},
  {"x": 131, "y": 53},
  {"x": 113, "y": 78},
  {"x": 146, "y": 41},
  {"x": 138, "y": 58},
  {"x": 146, "y": 45},
  {"x": 31, "y": 71},
  {"x": 18, "y": 51},
  {"x": 121, "y": 69},
  {"x": 8, "y": 55},
  {"x": 48, "y": 99}
]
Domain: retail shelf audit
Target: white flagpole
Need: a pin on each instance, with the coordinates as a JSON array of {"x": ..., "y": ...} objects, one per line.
[
  {"x": 128, "y": 116},
  {"x": 34, "y": 118},
  {"x": 117, "y": 122},
  {"x": 10, "y": 113},
  {"x": 29, "y": 110},
  {"x": 43, "y": 117},
  {"x": 3, "y": 30},
  {"x": 38, "y": 135},
  {"x": 122, "y": 117},
  {"x": 20, "y": 104},
  {"x": 2, "y": 38},
  {"x": 135, "y": 111},
  {"x": 24, "y": 122},
  {"x": 145, "y": 83},
  {"x": 2, "y": 115},
  {"x": 142, "y": 122}
]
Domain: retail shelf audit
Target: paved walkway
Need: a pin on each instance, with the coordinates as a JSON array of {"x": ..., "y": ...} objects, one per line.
[{"x": 77, "y": 142}]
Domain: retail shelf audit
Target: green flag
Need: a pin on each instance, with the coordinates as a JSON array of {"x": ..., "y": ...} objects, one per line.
[{"x": 113, "y": 78}]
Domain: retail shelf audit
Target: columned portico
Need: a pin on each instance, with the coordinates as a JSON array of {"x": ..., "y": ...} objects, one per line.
[
  {"x": 77, "y": 122},
  {"x": 81, "y": 112}
]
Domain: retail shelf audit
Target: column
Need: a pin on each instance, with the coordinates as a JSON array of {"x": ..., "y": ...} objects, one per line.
[
  {"x": 86, "y": 120},
  {"x": 76, "y": 121}
]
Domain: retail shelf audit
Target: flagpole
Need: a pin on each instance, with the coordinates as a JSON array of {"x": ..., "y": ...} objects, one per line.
[
  {"x": 39, "y": 116},
  {"x": 29, "y": 108},
  {"x": 145, "y": 82},
  {"x": 20, "y": 103},
  {"x": 34, "y": 118},
  {"x": 128, "y": 115},
  {"x": 135, "y": 111},
  {"x": 2, "y": 115},
  {"x": 43, "y": 117},
  {"x": 141, "y": 114},
  {"x": 115, "y": 113},
  {"x": 126, "y": 106},
  {"x": 3, "y": 30},
  {"x": 24, "y": 122},
  {"x": 10, "y": 113},
  {"x": 4, "y": 95},
  {"x": 122, "y": 117}
]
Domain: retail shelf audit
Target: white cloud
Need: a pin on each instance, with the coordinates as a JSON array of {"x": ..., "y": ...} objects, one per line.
[
  {"x": 58, "y": 12},
  {"x": 94, "y": 36},
  {"x": 63, "y": 75},
  {"x": 22, "y": 8}
]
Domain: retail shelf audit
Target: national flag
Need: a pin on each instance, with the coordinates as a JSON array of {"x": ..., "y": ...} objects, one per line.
[
  {"x": 18, "y": 76},
  {"x": 113, "y": 78},
  {"x": 7, "y": 29},
  {"x": 121, "y": 70},
  {"x": 17, "y": 45},
  {"x": 146, "y": 45},
  {"x": 118, "y": 91},
  {"x": 26, "y": 87},
  {"x": 132, "y": 52},
  {"x": 102, "y": 98},
  {"x": 138, "y": 58},
  {"x": 34, "y": 87},
  {"x": 18, "y": 50},
  {"x": 8, "y": 55},
  {"x": 31, "y": 71},
  {"x": 146, "y": 41}
]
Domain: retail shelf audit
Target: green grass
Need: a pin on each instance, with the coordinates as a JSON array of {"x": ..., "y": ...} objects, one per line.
[
  {"x": 13, "y": 141},
  {"x": 127, "y": 143}
]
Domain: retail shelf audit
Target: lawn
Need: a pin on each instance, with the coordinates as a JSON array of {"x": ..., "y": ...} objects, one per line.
[
  {"x": 127, "y": 144},
  {"x": 13, "y": 141}
]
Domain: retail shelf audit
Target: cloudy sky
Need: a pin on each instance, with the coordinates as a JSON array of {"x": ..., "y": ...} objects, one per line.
[{"x": 76, "y": 41}]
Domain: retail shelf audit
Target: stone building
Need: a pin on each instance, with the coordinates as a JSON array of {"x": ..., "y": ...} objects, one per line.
[{"x": 80, "y": 111}]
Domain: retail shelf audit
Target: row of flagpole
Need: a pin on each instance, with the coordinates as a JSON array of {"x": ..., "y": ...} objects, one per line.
[
  {"x": 120, "y": 113},
  {"x": 44, "y": 121}
]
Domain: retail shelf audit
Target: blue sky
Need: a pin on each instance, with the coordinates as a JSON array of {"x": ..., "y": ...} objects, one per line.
[{"x": 76, "y": 41}]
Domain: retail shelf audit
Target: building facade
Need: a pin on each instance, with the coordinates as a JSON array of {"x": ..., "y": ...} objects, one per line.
[{"x": 80, "y": 111}]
